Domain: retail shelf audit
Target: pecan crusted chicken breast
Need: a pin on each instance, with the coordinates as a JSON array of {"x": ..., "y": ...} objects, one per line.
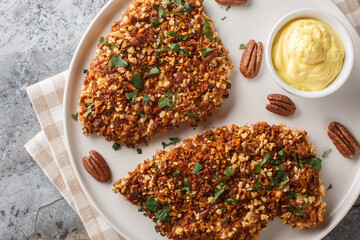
[
  {"x": 229, "y": 183},
  {"x": 161, "y": 65}
]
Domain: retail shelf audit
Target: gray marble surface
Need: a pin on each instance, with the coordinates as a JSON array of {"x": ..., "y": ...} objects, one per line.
[{"x": 38, "y": 38}]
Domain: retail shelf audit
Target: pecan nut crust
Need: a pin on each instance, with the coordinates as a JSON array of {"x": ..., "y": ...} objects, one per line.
[
  {"x": 231, "y": 2},
  {"x": 343, "y": 140},
  {"x": 251, "y": 59},
  {"x": 96, "y": 165},
  {"x": 280, "y": 104}
]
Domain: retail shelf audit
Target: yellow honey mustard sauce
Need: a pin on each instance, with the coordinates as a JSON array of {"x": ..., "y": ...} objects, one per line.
[{"x": 308, "y": 54}]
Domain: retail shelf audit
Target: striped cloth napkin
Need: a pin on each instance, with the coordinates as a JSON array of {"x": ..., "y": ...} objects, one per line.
[{"x": 48, "y": 149}]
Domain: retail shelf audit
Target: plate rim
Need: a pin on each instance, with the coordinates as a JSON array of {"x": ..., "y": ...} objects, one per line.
[{"x": 352, "y": 196}]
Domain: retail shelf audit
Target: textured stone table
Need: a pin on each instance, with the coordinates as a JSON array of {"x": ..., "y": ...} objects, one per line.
[{"x": 38, "y": 39}]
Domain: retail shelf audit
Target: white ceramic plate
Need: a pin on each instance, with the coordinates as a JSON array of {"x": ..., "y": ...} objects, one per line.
[{"x": 246, "y": 105}]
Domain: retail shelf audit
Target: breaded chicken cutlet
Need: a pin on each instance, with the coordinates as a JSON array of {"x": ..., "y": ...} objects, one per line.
[
  {"x": 229, "y": 183},
  {"x": 161, "y": 65}
]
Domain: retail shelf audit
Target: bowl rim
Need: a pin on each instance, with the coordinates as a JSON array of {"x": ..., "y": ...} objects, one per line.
[{"x": 349, "y": 53}]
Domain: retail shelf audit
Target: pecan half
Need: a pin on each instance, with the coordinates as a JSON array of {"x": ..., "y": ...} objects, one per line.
[
  {"x": 96, "y": 165},
  {"x": 343, "y": 140},
  {"x": 231, "y": 2},
  {"x": 280, "y": 104},
  {"x": 251, "y": 59}
]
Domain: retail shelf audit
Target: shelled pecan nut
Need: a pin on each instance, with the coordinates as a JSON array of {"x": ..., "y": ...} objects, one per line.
[
  {"x": 251, "y": 59},
  {"x": 96, "y": 165},
  {"x": 231, "y": 2},
  {"x": 343, "y": 140},
  {"x": 280, "y": 104}
]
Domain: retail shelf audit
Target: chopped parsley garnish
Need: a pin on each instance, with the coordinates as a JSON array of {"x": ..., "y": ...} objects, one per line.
[
  {"x": 197, "y": 168},
  {"x": 151, "y": 205},
  {"x": 185, "y": 7},
  {"x": 167, "y": 101},
  {"x": 146, "y": 99},
  {"x": 160, "y": 11},
  {"x": 226, "y": 220},
  {"x": 116, "y": 61},
  {"x": 142, "y": 115},
  {"x": 162, "y": 215},
  {"x": 330, "y": 187},
  {"x": 178, "y": 20},
  {"x": 229, "y": 171},
  {"x": 255, "y": 187},
  {"x": 173, "y": 140},
  {"x": 242, "y": 46},
  {"x": 132, "y": 95},
  {"x": 191, "y": 115},
  {"x": 102, "y": 41},
  {"x": 89, "y": 111},
  {"x": 139, "y": 151},
  {"x": 233, "y": 200},
  {"x": 154, "y": 70},
  {"x": 282, "y": 154},
  {"x": 315, "y": 162},
  {"x": 227, "y": 8},
  {"x": 85, "y": 71},
  {"x": 116, "y": 146},
  {"x": 161, "y": 49},
  {"x": 175, "y": 13},
  {"x": 136, "y": 79},
  {"x": 218, "y": 192},
  {"x": 184, "y": 52},
  {"x": 158, "y": 41},
  {"x": 207, "y": 29},
  {"x": 262, "y": 163},
  {"x": 223, "y": 18},
  {"x": 205, "y": 50},
  {"x": 175, "y": 47},
  {"x": 188, "y": 186},
  {"x": 155, "y": 22},
  {"x": 75, "y": 116},
  {"x": 176, "y": 172},
  {"x": 326, "y": 153},
  {"x": 172, "y": 34}
]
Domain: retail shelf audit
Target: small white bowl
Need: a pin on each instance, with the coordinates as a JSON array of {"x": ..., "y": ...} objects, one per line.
[{"x": 338, "y": 27}]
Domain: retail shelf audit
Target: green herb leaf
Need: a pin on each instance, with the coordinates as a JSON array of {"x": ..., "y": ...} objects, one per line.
[
  {"x": 151, "y": 205},
  {"x": 175, "y": 47},
  {"x": 89, "y": 111},
  {"x": 184, "y": 52},
  {"x": 155, "y": 22},
  {"x": 75, "y": 116},
  {"x": 176, "y": 172},
  {"x": 301, "y": 212},
  {"x": 139, "y": 151},
  {"x": 132, "y": 95},
  {"x": 227, "y": 8},
  {"x": 162, "y": 215},
  {"x": 136, "y": 79},
  {"x": 146, "y": 99},
  {"x": 85, "y": 71},
  {"x": 191, "y": 115},
  {"x": 102, "y": 41},
  {"x": 255, "y": 187},
  {"x": 282, "y": 154},
  {"x": 218, "y": 192},
  {"x": 173, "y": 140},
  {"x": 116, "y": 61},
  {"x": 158, "y": 41},
  {"x": 167, "y": 101},
  {"x": 205, "y": 50},
  {"x": 188, "y": 186},
  {"x": 316, "y": 164},
  {"x": 116, "y": 146},
  {"x": 154, "y": 70},
  {"x": 326, "y": 153},
  {"x": 223, "y": 18},
  {"x": 226, "y": 220},
  {"x": 242, "y": 46},
  {"x": 142, "y": 115},
  {"x": 160, "y": 11},
  {"x": 222, "y": 181},
  {"x": 233, "y": 200},
  {"x": 175, "y": 13},
  {"x": 229, "y": 171},
  {"x": 172, "y": 34},
  {"x": 330, "y": 187},
  {"x": 185, "y": 7},
  {"x": 262, "y": 163},
  {"x": 207, "y": 29},
  {"x": 197, "y": 168}
]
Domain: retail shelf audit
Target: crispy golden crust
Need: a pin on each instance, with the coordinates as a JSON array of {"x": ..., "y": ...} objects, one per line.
[
  {"x": 194, "y": 84},
  {"x": 193, "y": 214}
]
